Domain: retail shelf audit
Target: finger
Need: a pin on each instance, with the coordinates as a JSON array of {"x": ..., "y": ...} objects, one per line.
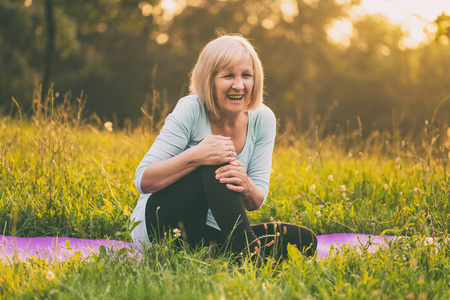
[
  {"x": 228, "y": 146},
  {"x": 229, "y": 153},
  {"x": 231, "y": 174},
  {"x": 237, "y": 163},
  {"x": 232, "y": 180},
  {"x": 235, "y": 188},
  {"x": 231, "y": 166},
  {"x": 227, "y": 159},
  {"x": 225, "y": 170}
]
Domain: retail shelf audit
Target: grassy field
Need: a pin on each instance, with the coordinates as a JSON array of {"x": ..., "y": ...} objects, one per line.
[{"x": 62, "y": 175}]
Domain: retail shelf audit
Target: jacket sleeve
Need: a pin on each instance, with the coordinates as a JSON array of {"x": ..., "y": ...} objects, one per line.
[
  {"x": 260, "y": 163},
  {"x": 173, "y": 137}
]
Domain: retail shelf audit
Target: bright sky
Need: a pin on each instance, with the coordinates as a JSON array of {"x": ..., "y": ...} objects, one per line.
[{"x": 414, "y": 16}]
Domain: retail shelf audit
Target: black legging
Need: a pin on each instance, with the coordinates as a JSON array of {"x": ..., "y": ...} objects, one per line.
[{"x": 184, "y": 205}]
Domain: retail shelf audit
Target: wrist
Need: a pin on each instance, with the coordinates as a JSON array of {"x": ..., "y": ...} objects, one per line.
[
  {"x": 253, "y": 197},
  {"x": 250, "y": 189},
  {"x": 194, "y": 159}
]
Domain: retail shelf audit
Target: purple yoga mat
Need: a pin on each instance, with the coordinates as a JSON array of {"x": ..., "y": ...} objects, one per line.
[
  {"x": 13, "y": 249},
  {"x": 54, "y": 248},
  {"x": 351, "y": 240}
]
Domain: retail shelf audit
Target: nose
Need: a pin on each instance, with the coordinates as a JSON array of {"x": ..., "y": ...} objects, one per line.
[{"x": 238, "y": 84}]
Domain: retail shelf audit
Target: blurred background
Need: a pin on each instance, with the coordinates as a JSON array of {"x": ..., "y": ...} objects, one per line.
[{"x": 330, "y": 64}]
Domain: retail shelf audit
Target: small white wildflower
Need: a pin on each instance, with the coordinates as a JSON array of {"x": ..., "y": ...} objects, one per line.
[
  {"x": 309, "y": 261},
  {"x": 176, "y": 233},
  {"x": 312, "y": 187},
  {"x": 50, "y": 276},
  {"x": 108, "y": 126},
  {"x": 264, "y": 286},
  {"x": 330, "y": 177},
  {"x": 343, "y": 188},
  {"x": 318, "y": 213},
  {"x": 417, "y": 190}
]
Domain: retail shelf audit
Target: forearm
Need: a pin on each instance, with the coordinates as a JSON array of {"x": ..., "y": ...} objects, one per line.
[
  {"x": 212, "y": 150},
  {"x": 161, "y": 174}
]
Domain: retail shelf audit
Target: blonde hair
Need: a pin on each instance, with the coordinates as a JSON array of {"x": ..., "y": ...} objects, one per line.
[{"x": 222, "y": 54}]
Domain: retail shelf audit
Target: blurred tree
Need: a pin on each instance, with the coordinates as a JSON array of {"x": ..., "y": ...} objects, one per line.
[
  {"x": 369, "y": 75},
  {"x": 299, "y": 79},
  {"x": 20, "y": 50},
  {"x": 443, "y": 25},
  {"x": 113, "y": 59},
  {"x": 100, "y": 47},
  {"x": 290, "y": 37},
  {"x": 118, "y": 52},
  {"x": 50, "y": 24}
]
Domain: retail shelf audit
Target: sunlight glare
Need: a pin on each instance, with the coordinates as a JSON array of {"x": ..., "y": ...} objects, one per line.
[
  {"x": 162, "y": 38},
  {"x": 415, "y": 17},
  {"x": 170, "y": 6},
  {"x": 268, "y": 24},
  {"x": 340, "y": 31},
  {"x": 289, "y": 9},
  {"x": 146, "y": 9}
]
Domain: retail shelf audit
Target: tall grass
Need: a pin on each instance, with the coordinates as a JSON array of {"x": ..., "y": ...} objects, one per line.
[
  {"x": 62, "y": 176},
  {"x": 66, "y": 174}
]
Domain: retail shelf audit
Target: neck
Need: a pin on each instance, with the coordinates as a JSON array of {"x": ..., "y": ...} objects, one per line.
[{"x": 228, "y": 120}]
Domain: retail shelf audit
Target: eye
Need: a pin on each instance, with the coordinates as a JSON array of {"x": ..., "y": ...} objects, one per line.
[{"x": 248, "y": 75}]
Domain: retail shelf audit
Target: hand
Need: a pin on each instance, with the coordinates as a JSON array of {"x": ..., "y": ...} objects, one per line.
[
  {"x": 215, "y": 150},
  {"x": 235, "y": 176}
]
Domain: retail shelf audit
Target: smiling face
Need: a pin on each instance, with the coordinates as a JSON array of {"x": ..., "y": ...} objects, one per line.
[{"x": 233, "y": 87}]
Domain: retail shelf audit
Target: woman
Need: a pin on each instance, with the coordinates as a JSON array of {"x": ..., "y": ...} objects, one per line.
[{"x": 211, "y": 161}]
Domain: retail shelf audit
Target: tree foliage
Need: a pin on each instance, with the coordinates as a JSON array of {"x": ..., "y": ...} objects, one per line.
[{"x": 119, "y": 52}]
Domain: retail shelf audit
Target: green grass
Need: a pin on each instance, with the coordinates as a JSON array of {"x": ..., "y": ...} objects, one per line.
[{"x": 62, "y": 175}]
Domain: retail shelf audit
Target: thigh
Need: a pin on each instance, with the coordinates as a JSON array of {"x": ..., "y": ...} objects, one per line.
[
  {"x": 226, "y": 205},
  {"x": 181, "y": 205}
]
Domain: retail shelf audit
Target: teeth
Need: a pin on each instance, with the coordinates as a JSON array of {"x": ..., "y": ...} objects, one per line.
[{"x": 235, "y": 97}]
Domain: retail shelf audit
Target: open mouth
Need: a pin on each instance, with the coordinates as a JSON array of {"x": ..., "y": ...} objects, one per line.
[{"x": 235, "y": 97}]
